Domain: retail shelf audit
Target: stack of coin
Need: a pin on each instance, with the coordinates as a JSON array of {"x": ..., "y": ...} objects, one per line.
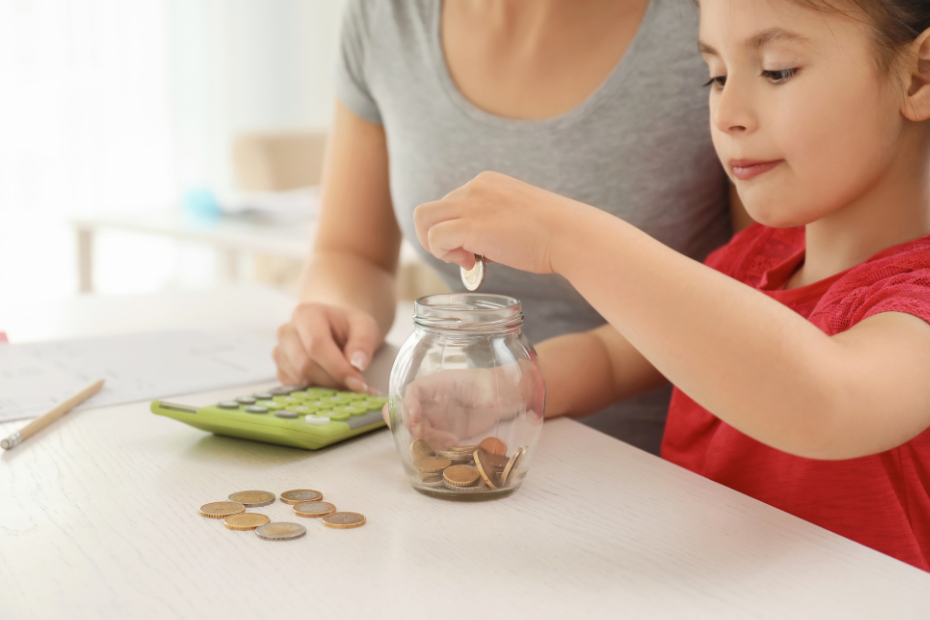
[
  {"x": 306, "y": 503},
  {"x": 466, "y": 469}
]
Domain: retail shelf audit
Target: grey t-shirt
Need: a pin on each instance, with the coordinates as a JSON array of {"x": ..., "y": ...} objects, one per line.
[{"x": 638, "y": 147}]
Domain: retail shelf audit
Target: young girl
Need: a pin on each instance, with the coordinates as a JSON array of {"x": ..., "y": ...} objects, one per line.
[{"x": 800, "y": 351}]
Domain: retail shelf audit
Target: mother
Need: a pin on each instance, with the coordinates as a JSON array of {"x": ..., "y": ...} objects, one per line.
[{"x": 596, "y": 100}]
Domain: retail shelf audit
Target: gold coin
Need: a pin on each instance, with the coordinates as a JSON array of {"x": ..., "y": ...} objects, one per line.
[
  {"x": 298, "y": 496},
  {"x": 493, "y": 445},
  {"x": 512, "y": 465},
  {"x": 281, "y": 531},
  {"x": 420, "y": 449},
  {"x": 478, "y": 488},
  {"x": 252, "y": 499},
  {"x": 220, "y": 510},
  {"x": 484, "y": 467},
  {"x": 245, "y": 521},
  {"x": 461, "y": 475},
  {"x": 464, "y": 448},
  {"x": 431, "y": 480},
  {"x": 313, "y": 509},
  {"x": 431, "y": 464},
  {"x": 455, "y": 457},
  {"x": 344, "y": 520}
]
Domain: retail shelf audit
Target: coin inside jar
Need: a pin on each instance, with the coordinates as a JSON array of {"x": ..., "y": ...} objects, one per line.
[
  {"x": 431, "y": 464},
  {"x": 474, "y": 277},
  {"x": 252, "y": 499},
  {"x": 221, "y": 510},
  {"x": 511, "y": 466},
  {"x": 245, "y": 521},
  {"x": 461, "y": 475},
  {"x": 486, "y": 469},
  {"x": 313, "y": 509},
  {"x": 493, "y": 445},
  {"x": 344, "y": 520},
  {"x": 420, "y": 449},
  {"x": 301, "y": 495}
]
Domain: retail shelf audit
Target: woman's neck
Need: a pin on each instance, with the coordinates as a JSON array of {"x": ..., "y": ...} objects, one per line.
[{"x": 894, "y": 211}]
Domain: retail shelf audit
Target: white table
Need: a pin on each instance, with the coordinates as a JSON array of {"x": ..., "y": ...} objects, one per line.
[{"x": 98, "y": 519}]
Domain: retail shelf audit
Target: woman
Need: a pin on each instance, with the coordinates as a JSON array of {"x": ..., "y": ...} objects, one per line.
[{"x": 596, "y": 100}]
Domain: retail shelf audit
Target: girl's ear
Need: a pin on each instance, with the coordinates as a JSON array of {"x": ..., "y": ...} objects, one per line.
[{"x": 917, "y": 77}]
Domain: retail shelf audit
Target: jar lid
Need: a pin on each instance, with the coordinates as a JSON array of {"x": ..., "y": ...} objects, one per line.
[{"x": 468, "y": 312}]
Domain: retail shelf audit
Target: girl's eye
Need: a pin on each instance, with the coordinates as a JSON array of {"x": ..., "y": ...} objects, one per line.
[
  {"x": 777, "y": 77},
  {"x": 718, "y": 82}
]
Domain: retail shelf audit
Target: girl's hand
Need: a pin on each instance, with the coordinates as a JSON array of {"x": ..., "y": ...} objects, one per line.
[
  {"x": 459, "y": 407},
  {"x": 506, "y": 220}
]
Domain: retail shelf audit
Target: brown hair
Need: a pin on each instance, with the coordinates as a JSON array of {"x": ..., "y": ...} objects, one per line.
[{"x": 895, "y": 23}]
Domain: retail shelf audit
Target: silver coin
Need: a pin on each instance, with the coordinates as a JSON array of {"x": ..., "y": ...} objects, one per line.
[
  {"x": 474, "y": 277},
  {"x": 280, "y": 531},
  {"x": 298, "y": 496}
]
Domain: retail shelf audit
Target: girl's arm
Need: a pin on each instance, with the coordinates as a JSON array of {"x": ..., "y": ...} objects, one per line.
[
  {"x": 748, "y": 359},
  {"x": 589, "y": 371}
]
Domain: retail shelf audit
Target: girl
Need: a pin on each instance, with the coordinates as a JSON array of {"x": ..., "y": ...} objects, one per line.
[{"x": 799, "y": 351}]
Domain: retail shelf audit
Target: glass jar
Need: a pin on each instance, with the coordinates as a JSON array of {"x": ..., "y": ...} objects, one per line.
[{"x": 466, "y": 397}]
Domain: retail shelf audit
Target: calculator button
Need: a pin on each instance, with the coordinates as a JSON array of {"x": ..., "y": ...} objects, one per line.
[
  {"x": 263, "y": 395},
  {"x": 256, "y": 409},
  {"x": 353, "y": 410},
  {"x": 246, "y": 400},
  {"x": 284, "y": 413},
  {"x": 286, "y": 389},
  {"x": 228, "y": 404},
  {"x": 270, "y": 404},
  {"x": 338, "y": 415},
  {"x": 305, "y": 410},
  {"x": 316, "y": 420}
]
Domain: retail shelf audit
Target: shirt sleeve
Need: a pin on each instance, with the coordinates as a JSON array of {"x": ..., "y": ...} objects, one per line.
[
  {"x": 907, "y": 292},
  {"x": 351, "y": 62}
]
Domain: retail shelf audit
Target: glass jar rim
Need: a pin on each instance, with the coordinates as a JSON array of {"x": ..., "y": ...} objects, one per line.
[{"x": 474, "y": 312}]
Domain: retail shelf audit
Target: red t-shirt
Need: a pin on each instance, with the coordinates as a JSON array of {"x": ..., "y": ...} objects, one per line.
[{"x": 882, "y": 501}]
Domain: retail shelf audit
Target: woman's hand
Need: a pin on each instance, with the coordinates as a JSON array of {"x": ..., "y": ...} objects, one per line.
[
  {"x": 506, "y": 220},
  {"x": 327, "y": 346}
]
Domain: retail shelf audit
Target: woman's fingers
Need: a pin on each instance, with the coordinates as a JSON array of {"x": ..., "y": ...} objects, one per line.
[
  {"x": 316, "y": 329},
  {"x": 364, "y": 336}
]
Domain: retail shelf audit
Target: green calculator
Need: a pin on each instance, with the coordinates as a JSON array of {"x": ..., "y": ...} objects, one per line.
[{"x": 289, "y": 415}]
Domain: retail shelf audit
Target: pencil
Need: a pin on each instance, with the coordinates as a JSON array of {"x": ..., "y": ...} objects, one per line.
[{"x": 44, "y": 420}]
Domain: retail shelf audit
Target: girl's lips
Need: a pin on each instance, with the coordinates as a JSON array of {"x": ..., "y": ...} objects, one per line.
[{"x": 745, "y": 169}]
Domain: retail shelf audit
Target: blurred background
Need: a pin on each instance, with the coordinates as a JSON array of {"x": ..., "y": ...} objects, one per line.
[{"x": 150, "y": 145}]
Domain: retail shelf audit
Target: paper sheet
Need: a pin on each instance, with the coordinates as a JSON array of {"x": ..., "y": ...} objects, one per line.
[{"x": 34, "y": 377}]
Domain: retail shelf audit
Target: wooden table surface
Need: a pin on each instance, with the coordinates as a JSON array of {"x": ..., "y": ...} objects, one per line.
[{"x": 98, "y": 519}]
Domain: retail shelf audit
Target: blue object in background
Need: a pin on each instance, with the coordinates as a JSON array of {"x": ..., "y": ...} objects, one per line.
[{"x": 201, "y": 202}]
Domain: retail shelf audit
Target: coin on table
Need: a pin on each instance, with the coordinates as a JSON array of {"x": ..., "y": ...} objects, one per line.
[
  {"x": 298, "y": 496},
  {"x": 245, "y": 521},
  {"x": 420, "y": 449},
  {"x": 493, "y": 445},
  {"x": 252, "y": 499},
  {"x": 281, "y": 531},
  {"x": 512, "y": 465},
  {"x": 313, "y": 509},
  {"x": 344, "y": 520},
  {"x": 221, "y": 510},
  {"x": 486, "y": 469},
  {"x": 431, "y": 464},
  {"x": 474, "y": 277},
  {"x": 461, "y": 475}
]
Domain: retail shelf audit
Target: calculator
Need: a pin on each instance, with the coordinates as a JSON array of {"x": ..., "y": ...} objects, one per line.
[{"x": 289, "y": 415}]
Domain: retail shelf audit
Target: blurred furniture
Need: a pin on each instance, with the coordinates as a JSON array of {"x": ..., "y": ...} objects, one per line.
[{"x": 264, "y": 162}]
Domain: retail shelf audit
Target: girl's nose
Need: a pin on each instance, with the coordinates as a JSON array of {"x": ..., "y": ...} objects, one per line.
[{"x": 732, "y": 113}]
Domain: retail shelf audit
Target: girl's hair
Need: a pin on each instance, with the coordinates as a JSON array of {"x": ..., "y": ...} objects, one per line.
[{"x": 895, "y": 23}]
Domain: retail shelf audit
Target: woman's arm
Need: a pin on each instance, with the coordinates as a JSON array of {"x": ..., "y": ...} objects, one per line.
[
  {"x": 354, "y": 259},
  {"x": 753, "y": 362},
  {"x": 347, "y": 291}
]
